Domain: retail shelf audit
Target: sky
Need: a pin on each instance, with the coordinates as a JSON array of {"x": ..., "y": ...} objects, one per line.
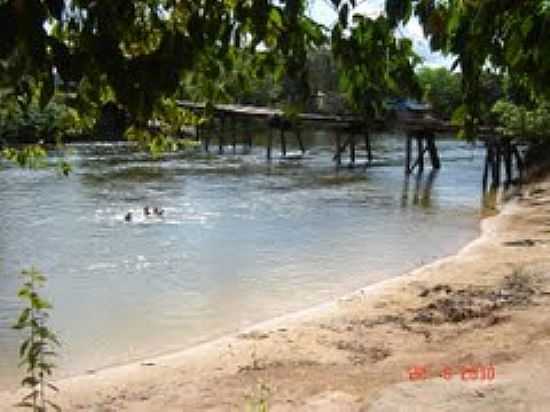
[{"x": 322, "y": 12}]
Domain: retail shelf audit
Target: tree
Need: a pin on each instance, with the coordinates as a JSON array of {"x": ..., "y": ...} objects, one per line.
[
  {"x": 531, "y": 123},
  {"x": 137, "y": 52},
  {"x": 442, "y": 89},
  {"x": 510, "y": 36},
  {"x": 373, "y": 64}
]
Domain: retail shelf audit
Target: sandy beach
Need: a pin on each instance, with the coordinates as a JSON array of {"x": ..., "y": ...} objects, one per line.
[{"x": 470, "y": 332}]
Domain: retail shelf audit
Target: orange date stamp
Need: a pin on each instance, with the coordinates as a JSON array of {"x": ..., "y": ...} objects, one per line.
[{"x": 483, "y": 373}]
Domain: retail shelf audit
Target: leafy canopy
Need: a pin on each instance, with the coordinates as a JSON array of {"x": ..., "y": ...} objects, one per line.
[
  {"x": 138, "y": 51},
  {"x": 510, "y": 36},
  {"x": 442, "y": 89},
  {"x": 373, "y": 63}
]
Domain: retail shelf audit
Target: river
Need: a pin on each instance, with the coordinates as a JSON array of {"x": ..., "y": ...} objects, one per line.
[{"x": 242, "y": 240}]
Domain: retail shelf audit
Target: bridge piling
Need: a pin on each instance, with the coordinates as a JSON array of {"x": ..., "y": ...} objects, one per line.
[
  {"x": 221, "y": 136},
  {"x": 283, "y": 140},
  {"x": 501, "y": 154},
  {"x": 408, "y": 154},
  {"x": 269, "y": 143},
  {"x": 234, "y": 134},
  {"x": 338, "y": 155},
  {"x": 368, "y": 146},
  {"x": 432, "y": 150},
  {"x": 352, "y": 149},
  {"x": 299, "y": 139},
  {"x": 420, "y": 148}
]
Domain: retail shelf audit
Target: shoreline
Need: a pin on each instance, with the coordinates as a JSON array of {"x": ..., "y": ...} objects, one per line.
[
  {"x": 292, "y": 317},
  {"x": 220, "y": 373}
]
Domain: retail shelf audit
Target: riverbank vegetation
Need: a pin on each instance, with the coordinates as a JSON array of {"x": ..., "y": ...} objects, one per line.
[
  {"x": 67, "y": 66},
  {"x": 37, "y": 350}
]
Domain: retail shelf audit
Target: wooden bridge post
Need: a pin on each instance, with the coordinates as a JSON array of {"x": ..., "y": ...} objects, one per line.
[
  {"x": 248, "y": 135},
  {"x": 488, "y": 165},
  {"x": 420, "y": 147},
  {"x": 368, "y": 146},
  {"x": 234, "y": 134},
  {"x": 299, "y": 139},
  {"x": 497, "y": 164},
  {"x": 352, "y": 148},
  {"x": 508, "y": 161},
  {"x": 222, "y": 132},
  {"x": 338, "y": 155},
  {"x": 408, "y": 154},
  {"x": 249, "y": 132},
  {"x": 207, "y": 134},
  {"x": 432, "y": 150},
  {"x": 519, "y": 162},
  {"x": 283, "y": 139},
  {"x": 269, "y": 142}
]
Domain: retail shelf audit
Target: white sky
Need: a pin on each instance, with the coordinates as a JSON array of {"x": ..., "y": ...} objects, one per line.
[{"x": 322, "y": 12}]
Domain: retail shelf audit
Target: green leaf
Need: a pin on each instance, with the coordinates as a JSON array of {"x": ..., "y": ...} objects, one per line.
[
  {"x": 53, "y": 405},
  {"x": 527, "y": 25},
  {"x": 23, "y": 347},
  {"x": 52, "y": 387},
  {"x": 24, "y": 316},
  {"x": 29, "y": 381},
  {"x": 25, "y": 405},
  {"x": 459, "y": 115}
]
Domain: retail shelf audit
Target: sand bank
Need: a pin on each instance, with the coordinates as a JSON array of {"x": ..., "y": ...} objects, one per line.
[{"x": 468, "y": 332}]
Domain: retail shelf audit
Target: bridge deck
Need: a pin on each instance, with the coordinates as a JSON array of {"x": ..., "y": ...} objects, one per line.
[
  {"x": 408, "y": 121},
  {"x": 269, "y": 112},
  {"x": 417, "y": 126}
]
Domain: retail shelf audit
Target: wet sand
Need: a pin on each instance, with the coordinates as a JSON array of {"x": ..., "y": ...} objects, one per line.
[{"x": 470, "y": 332}]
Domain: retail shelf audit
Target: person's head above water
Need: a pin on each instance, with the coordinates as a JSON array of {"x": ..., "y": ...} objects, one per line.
[
  {"x": 146, "y": 210},
  {"x": 128, "y": 217},
  {"x": 158, "y": 211}
]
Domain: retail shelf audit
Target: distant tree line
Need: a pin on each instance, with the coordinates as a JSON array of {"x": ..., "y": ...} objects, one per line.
[{"x": 140, "y": 55}]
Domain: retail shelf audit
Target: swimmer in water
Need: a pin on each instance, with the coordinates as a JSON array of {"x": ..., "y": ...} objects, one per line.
[
  {"x": 128, "y": 217},
  {"x": 147, "y": 211},
  {"x": 158, "y": 212}
]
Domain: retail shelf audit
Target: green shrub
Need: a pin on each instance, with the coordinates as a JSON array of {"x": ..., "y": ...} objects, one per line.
[{"x": 38, "y": 347}]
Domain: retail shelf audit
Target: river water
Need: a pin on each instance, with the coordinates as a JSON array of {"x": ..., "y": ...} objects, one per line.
[{"x": 242, "y": 240}]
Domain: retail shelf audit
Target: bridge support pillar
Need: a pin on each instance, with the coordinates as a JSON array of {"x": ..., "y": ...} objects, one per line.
[
  {"x": 501, "y": 152},
  {"x": 425, "y": 142}
]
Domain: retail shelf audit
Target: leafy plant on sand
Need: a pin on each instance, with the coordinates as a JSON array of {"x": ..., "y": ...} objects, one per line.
[
  {"x": 38, "y": 347},
  {"x": 258, "y": 401}
]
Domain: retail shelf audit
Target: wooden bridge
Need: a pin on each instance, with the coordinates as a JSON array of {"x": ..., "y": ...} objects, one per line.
[{"x": 419, "y": 127}]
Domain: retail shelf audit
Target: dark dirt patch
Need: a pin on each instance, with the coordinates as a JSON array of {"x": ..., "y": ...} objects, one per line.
[
  {"x": 522, "y": 243},
  {"x": 538, "y": 192},
  {"x": 441, "y": 288},
  {"x": 382, "y": 320},
  {"x": 254, "y": 335},
  {"x": 262, "y": 364},
  {"x": 399, "y": 320},
  {"x": 360, "y": 354},
  {"x": 462, "y": 305}
]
